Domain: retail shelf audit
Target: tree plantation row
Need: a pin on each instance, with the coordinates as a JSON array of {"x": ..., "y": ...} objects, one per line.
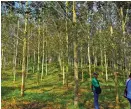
[{"x": 74, "y": 36}]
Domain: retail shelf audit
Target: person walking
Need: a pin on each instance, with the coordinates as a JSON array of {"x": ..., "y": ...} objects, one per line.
[
  {"x": 128, "y": 88},
  {"x": 96, "y": 89}
]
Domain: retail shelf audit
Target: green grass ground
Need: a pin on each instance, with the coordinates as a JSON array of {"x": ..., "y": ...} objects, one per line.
[{"x": 52, "y": 94}]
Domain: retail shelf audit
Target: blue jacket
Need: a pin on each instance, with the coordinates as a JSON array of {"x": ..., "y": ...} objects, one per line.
[{"x": 128, "y": 84}]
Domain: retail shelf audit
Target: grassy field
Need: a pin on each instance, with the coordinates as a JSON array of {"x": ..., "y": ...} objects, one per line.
[{"x": 52, "y": 94}]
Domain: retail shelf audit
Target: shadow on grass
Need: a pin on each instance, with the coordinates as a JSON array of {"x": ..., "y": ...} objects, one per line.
[
  {"x": 46, "y": 99},
  {"x": 42, "y": 86},
  {"x": 6, "y": 90},
  {"x": 5, "y": 76},
  {"x": 33, "y": 105},
  {"x": 39, "y": 97}
]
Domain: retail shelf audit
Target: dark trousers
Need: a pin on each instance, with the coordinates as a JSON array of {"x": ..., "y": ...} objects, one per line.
[
  {"x": 96, "y": 96},
  {"x": 129, "y": 102}
]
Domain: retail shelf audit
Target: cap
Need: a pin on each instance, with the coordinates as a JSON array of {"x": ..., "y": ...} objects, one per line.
[
  {"x": 95, "y": 73},
  {"x": 130, "y": 75}
]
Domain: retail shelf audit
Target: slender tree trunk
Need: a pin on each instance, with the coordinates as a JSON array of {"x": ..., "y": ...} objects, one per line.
[
  {"x": 82, "y": 69},
  {"x": 34, "y": 61},
  {"x": 116, "y": 86},
  {"x": 46, "y": 56},
  {"x": 101, "y": 53},
  {"x": 111, "y": 34},
  {"x": 60, "y": 62},
  {"x": 123, "y": 30},
  {"x": 4, "y": 62},
  {"x": 38, "y": 65},
  {"x": 23, "y": 67},
  {"x": 94, "y": 58},
  {"x": 63, "y": 70},
  {"x": 27, "y": 61},
  {"x": 28, "y": 53},
  {"x": 14, "y": 69},
  {"x": 89, "y": 60},
  {"x": 14, "y": 61},
  {"x": 43, "y": 58},
  {"x": 95, "y": 64},
  {"x": 75, "y": 61},
  {"x": 15, "y": 53},
  {"x": 106, "y": 65},
  {"x": 75, "y": 74},
  {"x": 130, "y": 65},
  {"x": 81, "y": 63},
  {"x": 67, "y": 72},
  {"x": 46, "y": 64},
  {"x": 101, "y": 60},
  {"x": 2, "y": 58},
  {"x": 24, "y": 56}
]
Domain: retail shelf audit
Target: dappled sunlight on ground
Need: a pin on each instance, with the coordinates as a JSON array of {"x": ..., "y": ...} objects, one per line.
[{"x": 52, "y": 94}]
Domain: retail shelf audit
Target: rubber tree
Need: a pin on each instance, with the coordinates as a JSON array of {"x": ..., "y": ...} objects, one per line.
[
  {"x": 24, "y": 54},
  {"x": 67, "y": 43},
  {"x": 38, "y": 58},
  {"x": 75, "y": 46},
  {"x": 124, "y": 20},
  {"x": 16, "y": 52},
  {"x": 43, "y": 53}
]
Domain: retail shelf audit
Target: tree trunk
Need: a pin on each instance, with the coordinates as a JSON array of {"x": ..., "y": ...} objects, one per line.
[
  {"x": 15, "y": 53},
  {"x": 43, "y": 57},
  {"x": 89, "y": 60},
  {"x": 2, "y": 58},
  {"x": 46, "y": 64},
  {"x": 116, "y": 87},
  {"x": 38, "y": 65},
  {"x": 106, "y": 65},
  {"x": 14, "y": 60},
  {"x": 4, "y": 62},
  {"x": 46, "y": 55},
  {"x": 75, "y": 61},
  {"x": 75, "y": 74},
  {"x": 23, "y": 67},
  {"x": 67, "y": 64},
  {"x": 95, "y": 64},
  {"x": 101, "y": 53},
  {"x": 82, "y": 78},
  {"x": 24, "y": 57},
  {"x": 27, "y": 61},
  {"x": 123, "y": 30},
  {"x": 34, "y": 62},
  {"x": 82, "y": 69},
  {"x": 60, "y": 63},
  {"x": 93, "y": 57},
  {"x": 63, "y": 70}
]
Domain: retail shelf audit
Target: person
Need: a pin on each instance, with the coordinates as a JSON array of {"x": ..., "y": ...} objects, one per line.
[
  {"x": 128, "y": 85},
  {"x": 95, "y": 84}
]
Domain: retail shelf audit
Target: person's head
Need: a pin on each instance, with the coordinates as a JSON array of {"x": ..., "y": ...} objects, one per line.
[
  {"x": 130, "y": 75},
  {"x": 95, "y": 74}
]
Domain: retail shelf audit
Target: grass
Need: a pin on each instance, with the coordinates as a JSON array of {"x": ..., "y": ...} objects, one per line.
[{"x": 52, "y": 94}]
